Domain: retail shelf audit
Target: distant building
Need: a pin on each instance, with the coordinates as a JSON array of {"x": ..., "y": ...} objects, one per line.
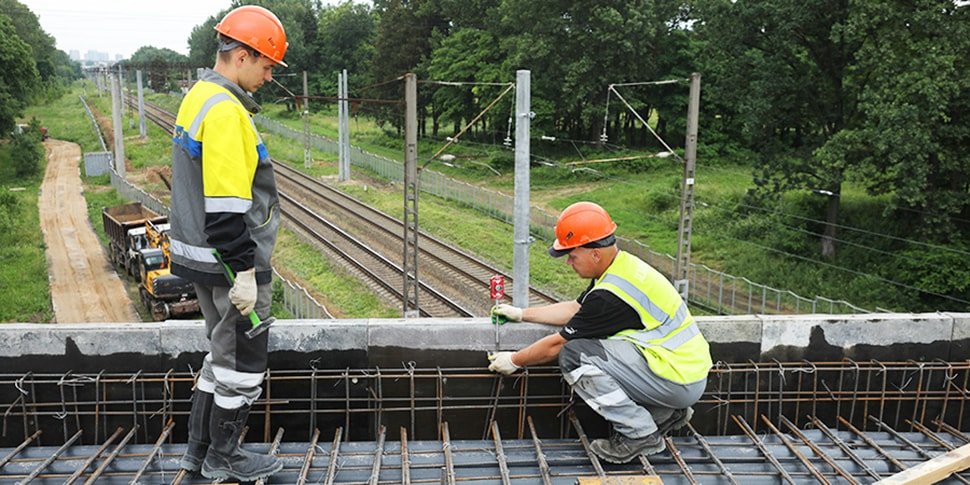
[
  {"x": 75, "y": 55},
  {"x": 96, "y": 56}
]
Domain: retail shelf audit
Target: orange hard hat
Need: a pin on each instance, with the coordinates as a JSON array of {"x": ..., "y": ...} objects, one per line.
[
  {"x": 582, "y": 224},
  {"x": 258, "y": 28}
]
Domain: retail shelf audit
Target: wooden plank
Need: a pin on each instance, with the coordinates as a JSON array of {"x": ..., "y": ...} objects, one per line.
[
  {"x": 627, "y": 480},
  {"x": 934, "y": 470}
]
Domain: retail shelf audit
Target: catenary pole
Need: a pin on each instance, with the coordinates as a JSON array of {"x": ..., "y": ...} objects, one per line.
[
  {"x": 307, "y": 159},
  {"x": 411, "y": 308},
  {"x": 119, "y": 137},
  {"x": 341, "y": 173},
  {"x": 520, "y": 256},
  {"x": 345, "y": 121},
  {"x": 682, "y": 270},
  {"x": 142, "y": 128}
]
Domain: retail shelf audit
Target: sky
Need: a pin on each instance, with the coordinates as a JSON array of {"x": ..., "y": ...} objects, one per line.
[{"x": 122, "y": 27}]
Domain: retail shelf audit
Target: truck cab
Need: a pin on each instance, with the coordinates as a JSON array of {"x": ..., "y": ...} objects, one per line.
[{"x": 137, "y": 243}]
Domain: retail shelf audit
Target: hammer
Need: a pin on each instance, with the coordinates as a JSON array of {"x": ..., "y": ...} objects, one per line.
[{"x": 259, "y": 326}]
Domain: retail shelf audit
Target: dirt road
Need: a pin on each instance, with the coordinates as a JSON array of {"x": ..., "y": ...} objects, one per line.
[{"x": 84, "y": 288}]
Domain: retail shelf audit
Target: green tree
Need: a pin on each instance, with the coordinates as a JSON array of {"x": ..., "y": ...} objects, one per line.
[
  {"x": 18, "y": 76},
  {"x": 345, "y": 40},
  {"x": 469, "y": 55},
  {"x": 403, "y": 43},
  {"x": 783, "y": 72},
  {"x": 576, "y": 48},
  {"x": 162, "y": 66},
  {"x": 52, "y": 65},
  {"x": 912, "y": 133},
  {"x": 827, "y": 91},
  {"x": 202, "y": 41},
  {"x": 26, "y": 154}
]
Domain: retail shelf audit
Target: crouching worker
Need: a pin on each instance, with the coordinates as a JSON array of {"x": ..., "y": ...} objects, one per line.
[{"x": 628, "y": 345}]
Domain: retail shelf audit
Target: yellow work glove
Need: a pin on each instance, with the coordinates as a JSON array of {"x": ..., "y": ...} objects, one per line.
[
  {"x": 243, "y": 291},
  {"x": 507, "y": 312},
  {"x": 501, "y": 362}
]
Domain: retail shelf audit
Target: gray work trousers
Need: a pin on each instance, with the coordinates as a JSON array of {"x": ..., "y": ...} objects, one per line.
[
  {"x": 234, "y": 367},
  {"x": 613, "y": 377}
]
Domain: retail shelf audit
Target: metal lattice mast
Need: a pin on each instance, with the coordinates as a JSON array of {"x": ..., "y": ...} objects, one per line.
[
  {"x": 410, "y": 267},
  {"x": 682, "y": 269}
]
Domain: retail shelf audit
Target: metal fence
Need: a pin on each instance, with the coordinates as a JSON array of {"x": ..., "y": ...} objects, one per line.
[
  {"x": 94, "y": 121},
  {"x": 298, "y": 301},
  {"x": 710, "y": 289}
]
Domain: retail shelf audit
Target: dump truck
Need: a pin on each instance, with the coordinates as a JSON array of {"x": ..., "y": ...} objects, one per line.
[
  {"x": 125, "y": 227},
  {"x": 138, "y": 244},
  {"x": 164, "y": 294}
]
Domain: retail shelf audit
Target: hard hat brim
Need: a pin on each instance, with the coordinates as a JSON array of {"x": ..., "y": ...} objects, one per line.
[{"x": 558, "y": 251}]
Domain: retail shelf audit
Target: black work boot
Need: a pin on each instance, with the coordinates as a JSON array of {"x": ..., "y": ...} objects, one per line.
[
  {"x": 677, "y": 420},
  {"x": 226, "y": 459},
  {"x": 620, "y": 449},
  {"x": 198, "y": 431}
]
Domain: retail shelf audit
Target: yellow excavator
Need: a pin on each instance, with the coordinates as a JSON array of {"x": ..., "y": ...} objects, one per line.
[{"x": 164, "y": 294}]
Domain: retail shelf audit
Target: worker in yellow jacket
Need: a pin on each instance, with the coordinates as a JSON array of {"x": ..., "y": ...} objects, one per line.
[
  {"x": 628, "y": 345},
  {"x": 224, "y": 198}
]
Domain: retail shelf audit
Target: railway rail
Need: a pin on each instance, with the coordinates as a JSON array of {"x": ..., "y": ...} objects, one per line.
[{"x": 369, "y": 243}]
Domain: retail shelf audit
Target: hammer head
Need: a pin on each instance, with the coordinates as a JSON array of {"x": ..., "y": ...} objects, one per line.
[{"x": 259, "y": 329}]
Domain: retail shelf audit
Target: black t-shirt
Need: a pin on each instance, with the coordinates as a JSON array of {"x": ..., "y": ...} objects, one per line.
[{"x": 601, "y": 314}]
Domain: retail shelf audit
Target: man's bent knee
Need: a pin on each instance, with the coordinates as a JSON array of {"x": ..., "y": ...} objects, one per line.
[{"x": 570, "y": 356}]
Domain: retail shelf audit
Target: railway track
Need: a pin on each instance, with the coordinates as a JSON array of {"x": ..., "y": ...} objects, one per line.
[{"x": 369, "y": 242}]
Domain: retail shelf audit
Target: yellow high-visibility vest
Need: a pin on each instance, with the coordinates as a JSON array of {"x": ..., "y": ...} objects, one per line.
[{"x": 670, "y": 339}]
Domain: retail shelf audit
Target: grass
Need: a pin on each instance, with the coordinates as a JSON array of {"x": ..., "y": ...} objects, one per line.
[
  {"x": 333, "y": 287},
  {"x": 24, "y": 288}
]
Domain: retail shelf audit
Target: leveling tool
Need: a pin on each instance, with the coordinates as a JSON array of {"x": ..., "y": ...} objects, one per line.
[{"x": 496, "y": 291}]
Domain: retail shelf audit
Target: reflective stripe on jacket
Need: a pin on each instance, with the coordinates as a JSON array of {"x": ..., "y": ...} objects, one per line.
[
  {"x": 670, "y": 340},
  {"x": 220, "y": 165}
]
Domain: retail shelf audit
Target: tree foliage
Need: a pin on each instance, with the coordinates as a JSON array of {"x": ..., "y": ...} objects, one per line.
[
  {"x": 203, "y": 43},
  {"x": 826, "y": 92},
  {"x": 345, "y": 40},
  {"x": 812, "y": 94},
  {"x": 53, "y": 66},
  {"x": 26, "y": 153},
  {"x": 18, "y": 76},
  {"x": 163, "y": 66}
]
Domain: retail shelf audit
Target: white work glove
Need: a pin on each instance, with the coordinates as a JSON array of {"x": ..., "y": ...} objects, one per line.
[
  {"x": 243, "y": 291},
  {"x": 511, "y": 313},
  {"x": 501, "y": 362}
]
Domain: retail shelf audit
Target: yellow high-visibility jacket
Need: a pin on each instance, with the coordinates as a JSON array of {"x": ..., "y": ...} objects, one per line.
[
  {"x": 670, "y": 339},
  {"x": 224, "y": 193}
]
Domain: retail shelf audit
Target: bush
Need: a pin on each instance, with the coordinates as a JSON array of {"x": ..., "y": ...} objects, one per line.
[
  {"x": 26, "y": 154},
  {"x": 9, "y": 209}
]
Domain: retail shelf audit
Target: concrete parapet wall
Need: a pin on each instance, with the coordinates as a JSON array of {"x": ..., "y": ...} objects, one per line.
[{"x": 299, "y": 344}]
